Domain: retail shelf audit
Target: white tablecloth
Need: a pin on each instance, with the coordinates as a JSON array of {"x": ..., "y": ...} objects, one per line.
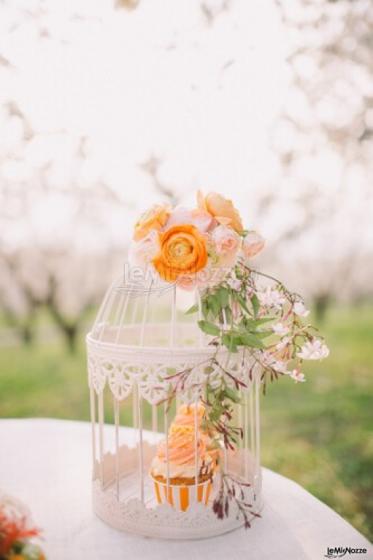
[{"x": 47, "y": 464}]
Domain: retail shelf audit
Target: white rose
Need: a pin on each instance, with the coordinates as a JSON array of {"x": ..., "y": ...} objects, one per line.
[
  {"x": 142, "y": 252},
  {"x": 252, "y": 244}
]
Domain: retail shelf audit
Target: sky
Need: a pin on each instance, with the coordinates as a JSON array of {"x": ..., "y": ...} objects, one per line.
[
  {"x": 158, "y": 81},
  {"x": 164, "y": 82}
]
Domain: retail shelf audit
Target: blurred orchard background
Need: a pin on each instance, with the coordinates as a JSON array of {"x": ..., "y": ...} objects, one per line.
[{"x": 107, "y": 107}]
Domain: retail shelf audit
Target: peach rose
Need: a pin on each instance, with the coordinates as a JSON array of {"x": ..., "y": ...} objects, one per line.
[
  {"x": 202, "y": 220},
  {"x": 252, "y": 244},
  {"x": 154, "y": 218},
  {"x": 182, "y": 252},
  {"x": 226, "y": 240},
  {"x": 187, "y": 282},
  {"x": 221, "y": 209},
  {"x": 202, "y": 279}
]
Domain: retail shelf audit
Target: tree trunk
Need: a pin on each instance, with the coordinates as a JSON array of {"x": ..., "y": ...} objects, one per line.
[
  {"x": 69, "y": 329},
  {"x": 24, "y": 326},
  {"x": 71, "y": 334},
  {"x": 27, "y": 334},
  {"x": 322, "y": 302}
]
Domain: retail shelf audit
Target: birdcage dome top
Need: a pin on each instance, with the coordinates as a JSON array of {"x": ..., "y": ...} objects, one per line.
[{"x": 149, "y": 315}]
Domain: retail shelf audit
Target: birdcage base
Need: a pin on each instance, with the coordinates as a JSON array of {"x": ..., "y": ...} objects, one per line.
[
  {"x": 118, "y": 487},
  {"x": 128, "y": 513}
]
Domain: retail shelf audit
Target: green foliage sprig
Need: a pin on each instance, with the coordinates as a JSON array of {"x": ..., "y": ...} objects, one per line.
[{"x": 255, "y": 314}]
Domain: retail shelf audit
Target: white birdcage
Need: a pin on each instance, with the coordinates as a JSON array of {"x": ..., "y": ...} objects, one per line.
[{"x": 140, "y": 345}]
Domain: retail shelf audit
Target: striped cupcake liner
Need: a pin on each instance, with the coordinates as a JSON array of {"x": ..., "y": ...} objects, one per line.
[{"x": 181, "y": 496}]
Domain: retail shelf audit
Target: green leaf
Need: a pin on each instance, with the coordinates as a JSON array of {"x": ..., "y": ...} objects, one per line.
[
  {"x": 214, "y": 305},
  {"x": 215, "y": 414},
  {"x": 192, "y": 309},
  {"x": 223, "y": 296},
  {"x": 251, "y": 340},
  {"x": 255, "y": 303},
  {"x": 232, "y": 395},
  {"x": 238, "y": 272},
  {"x": 228, "y": 341},
  {"x": 242, "y": 302},
  {"x": 253, "y": 323},
  {"x": 262, "y": 334},
  {"x": 208, "y": 328},
  {"x": 205, "y": 308}
]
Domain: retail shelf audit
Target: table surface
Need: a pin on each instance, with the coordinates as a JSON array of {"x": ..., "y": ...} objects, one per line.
[{"x": 47, "y": 465}]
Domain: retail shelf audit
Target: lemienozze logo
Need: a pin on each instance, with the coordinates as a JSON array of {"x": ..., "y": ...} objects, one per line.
[{"x": 340, "y": 551}]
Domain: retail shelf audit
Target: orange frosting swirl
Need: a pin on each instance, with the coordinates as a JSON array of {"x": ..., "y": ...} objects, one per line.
[
  {"x": 181, "y": 438},
  {"x": 185, "y": 415},
  {"x": 181, "y": 446}
]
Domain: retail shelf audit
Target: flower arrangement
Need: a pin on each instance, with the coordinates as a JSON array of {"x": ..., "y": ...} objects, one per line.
[
  {"x": 194, "y": 248},
  {"x": 16, "y": 532},
  {"x": 241, "y": 310}
]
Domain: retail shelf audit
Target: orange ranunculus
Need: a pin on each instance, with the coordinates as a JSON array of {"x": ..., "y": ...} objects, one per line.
[
  {"x": 154, "y": 218},
  {"x": 182, "y": 251},
  {"x": 221, "y": 209},
  {"x": 22, "y": 556}
]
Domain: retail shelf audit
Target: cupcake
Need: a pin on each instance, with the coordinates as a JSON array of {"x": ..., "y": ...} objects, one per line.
[
  {"x": 183, "y": 485},
  {"x": 185, "y": 417}
]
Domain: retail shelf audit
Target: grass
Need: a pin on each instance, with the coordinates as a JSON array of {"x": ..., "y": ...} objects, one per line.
[{"x": 317, "y": 433}]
